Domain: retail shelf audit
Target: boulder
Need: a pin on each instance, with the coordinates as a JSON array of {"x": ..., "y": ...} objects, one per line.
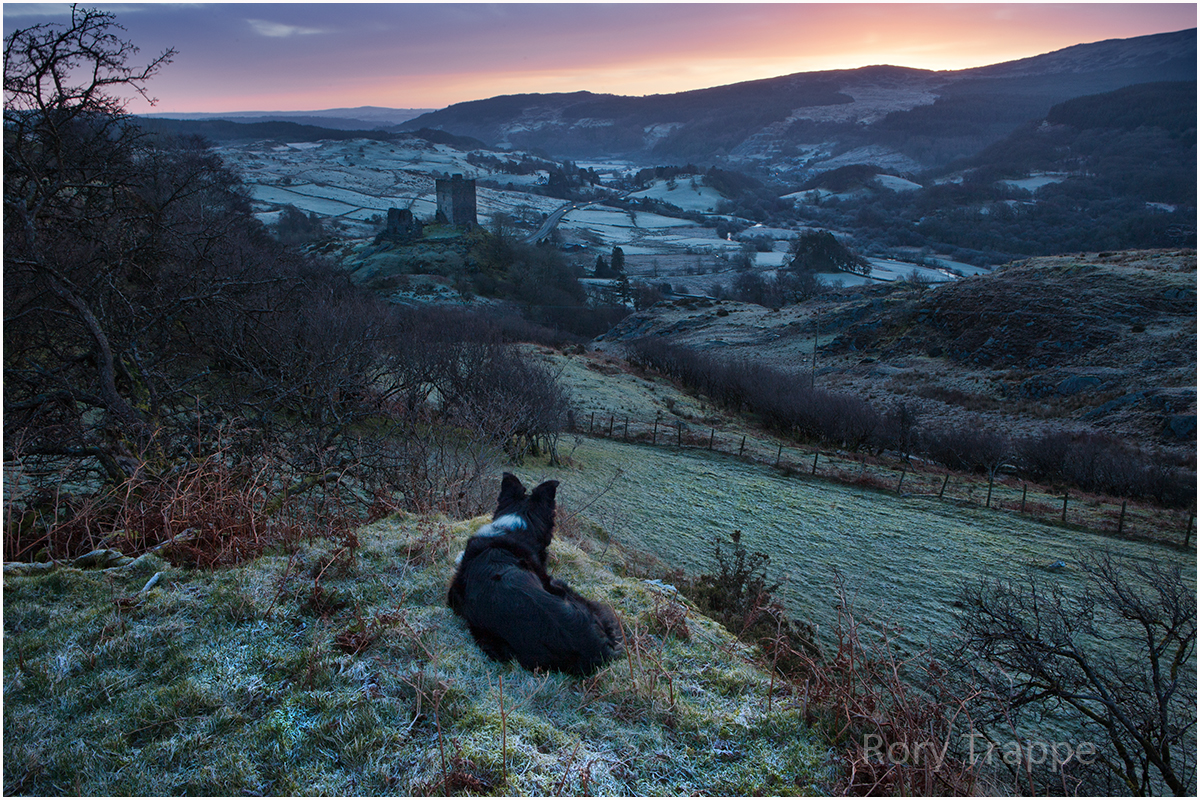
[
  {"x": 1078, "y": 383},
  {"x": 1181, "y": 426}
]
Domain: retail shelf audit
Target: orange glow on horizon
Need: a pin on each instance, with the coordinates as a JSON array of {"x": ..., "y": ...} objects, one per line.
[{"x": 618, "y": 49}]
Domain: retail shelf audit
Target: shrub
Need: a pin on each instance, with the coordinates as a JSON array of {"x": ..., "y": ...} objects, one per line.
[
  {"x": 1114, "y": 658},
  {"x": 293, "y": 227},
  {"x": 784, "y": 401},
  {"x": 1098, "y": 462},
  {"x": 863, "y": 692},
  {"x": 741, "y": 597}
]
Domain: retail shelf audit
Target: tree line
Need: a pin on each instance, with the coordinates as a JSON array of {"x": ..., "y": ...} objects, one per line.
[{"x": 790, "y": 404}]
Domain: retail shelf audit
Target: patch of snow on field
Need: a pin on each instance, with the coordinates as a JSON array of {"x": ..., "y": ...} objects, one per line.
[
  {"x": 615, "y": 217},
  {"x": 709, "y": 244},
  {"x": 658, "y": 132},
  {"x": 886, "y": 269},
  {"x": 843, "y": 279},
  {"x": 1036, "y": 181},
  {"x": 682, "y": 194},
  {"x": 612, "y": 168},
  {"x": 896, "y": 183},
  {"x": 645, "y": 220},
  {"x": 277, "y": 195},
  {"x": 351, "y": 197},
  {"x": 808, "y": 195},
  {"x": 884, "y": 157},
  {"x": 871, "y": 103},
  {"x": 960, "y": 267},
  {"x": 774, "y": 259},
  {"x": 598, "y": 215}
]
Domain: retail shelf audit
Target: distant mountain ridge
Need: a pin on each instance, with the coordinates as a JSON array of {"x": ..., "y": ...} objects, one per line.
[
  {"x": 360, "y": 118},
  {"x": 244, "y": 130},
  {"x": 912, "y": 119}
]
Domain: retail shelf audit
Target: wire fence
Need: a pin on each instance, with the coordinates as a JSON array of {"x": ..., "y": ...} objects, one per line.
[{"x": 911, "y": 478}]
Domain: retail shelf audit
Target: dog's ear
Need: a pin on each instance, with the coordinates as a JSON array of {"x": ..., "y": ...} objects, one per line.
[
  {"x": 544, "y": 494},
  {"x": 511, "y": 490}
]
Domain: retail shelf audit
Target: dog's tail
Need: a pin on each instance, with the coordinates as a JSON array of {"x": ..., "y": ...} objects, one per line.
[{"x": 600, "y": 639}]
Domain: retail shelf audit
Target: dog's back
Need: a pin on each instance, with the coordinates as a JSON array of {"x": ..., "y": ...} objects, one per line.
[{"x": 517, "y": 612}]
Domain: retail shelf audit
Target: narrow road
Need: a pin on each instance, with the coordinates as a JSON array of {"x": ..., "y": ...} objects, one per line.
[
  {"x": 550, "y": 223},
  {"x": 559, "y": 213}
]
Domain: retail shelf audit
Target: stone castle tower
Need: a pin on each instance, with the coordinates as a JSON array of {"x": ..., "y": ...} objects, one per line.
[{"x": 456, "y": 201}]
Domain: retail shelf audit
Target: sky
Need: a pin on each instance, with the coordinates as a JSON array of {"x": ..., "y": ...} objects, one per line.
[{"x": 309, "y": 56}]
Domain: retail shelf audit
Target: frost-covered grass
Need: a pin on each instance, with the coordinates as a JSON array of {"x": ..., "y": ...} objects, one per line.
[
  {"x": 904, "y": 555},
  {"x": 337, "y": 669}
]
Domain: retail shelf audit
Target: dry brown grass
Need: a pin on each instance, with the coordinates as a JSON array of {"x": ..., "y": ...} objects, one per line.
[{"x": 205, "y": 513}]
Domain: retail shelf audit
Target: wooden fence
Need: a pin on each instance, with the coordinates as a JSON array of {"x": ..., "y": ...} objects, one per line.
[{"x": 916, "y": 478}]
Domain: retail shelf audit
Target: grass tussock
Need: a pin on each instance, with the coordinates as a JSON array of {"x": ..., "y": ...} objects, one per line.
[{"x": 334, "y": 667}]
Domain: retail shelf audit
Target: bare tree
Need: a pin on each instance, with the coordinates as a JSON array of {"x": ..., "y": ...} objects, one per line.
[
  {"x": 1120, "y": 657},
  {"x": 900, "y": 428},
  {"x": 70, "y": 163},
  {"x": 150, "y": 322}
]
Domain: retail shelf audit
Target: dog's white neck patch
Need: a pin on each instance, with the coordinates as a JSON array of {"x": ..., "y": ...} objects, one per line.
[
  {"x": 498, "y": 527},
  {"x": 502, "y": 525}
]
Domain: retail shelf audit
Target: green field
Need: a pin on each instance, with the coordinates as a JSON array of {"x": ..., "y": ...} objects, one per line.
[{"x": 905, "y": 556}]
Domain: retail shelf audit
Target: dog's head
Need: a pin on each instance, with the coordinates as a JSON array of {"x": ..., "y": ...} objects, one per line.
[{"x": 527, "y": 515}]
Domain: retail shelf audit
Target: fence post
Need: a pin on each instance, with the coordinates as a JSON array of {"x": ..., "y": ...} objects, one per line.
[
  {"x": 1066, "y": 496},
  {"x": 903, "y": 472},
  {"x": 1121, "y": 521},
  {"x": 815, "y": 457},
  {"x": 610, "y": 425},
  {"x": 711, "y": 437},
  {"x": 1187, "y": 534},
  {"x": 943, "y": 489},
  {"x": 743, "y": 447},
  {"x": 654, "y": 436},
  {"x": 1024, "y": 491},
  {"x": 627, "y": 429},
  {"x": 779, "y": 455},
  {"x": 591, "y": 423},
  {"x": 679, "y": 434}
]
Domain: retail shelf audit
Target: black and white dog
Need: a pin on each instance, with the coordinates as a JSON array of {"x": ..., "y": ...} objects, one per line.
[{"x": 512, "y": 606}]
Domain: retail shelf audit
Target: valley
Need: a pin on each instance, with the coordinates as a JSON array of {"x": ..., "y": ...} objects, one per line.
[
  {"x": 945, "y": 173},
  {"x": 1087, "y": 342},
  {"x": 1083, "y": 345},
  {"x": 922, "y": 342}
]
